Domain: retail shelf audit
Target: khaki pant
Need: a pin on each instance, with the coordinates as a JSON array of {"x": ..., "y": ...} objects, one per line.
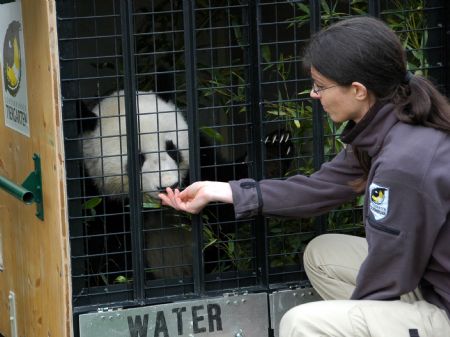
[{"x": 332, "y": 262}]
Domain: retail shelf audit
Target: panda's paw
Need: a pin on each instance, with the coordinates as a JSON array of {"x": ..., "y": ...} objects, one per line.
[{"x": 279, "y": 151}]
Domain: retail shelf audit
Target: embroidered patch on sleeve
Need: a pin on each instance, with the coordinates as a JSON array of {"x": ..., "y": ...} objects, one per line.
[{"x": 379, "y": 201}]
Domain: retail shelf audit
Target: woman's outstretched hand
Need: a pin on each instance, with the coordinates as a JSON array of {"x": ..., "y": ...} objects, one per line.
[{"x": 197, "y": 195}]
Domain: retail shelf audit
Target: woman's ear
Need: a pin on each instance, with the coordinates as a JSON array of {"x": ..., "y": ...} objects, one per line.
[{"x": 360, "y": 91}]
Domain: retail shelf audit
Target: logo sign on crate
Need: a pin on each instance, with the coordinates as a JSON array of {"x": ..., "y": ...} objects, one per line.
[
  {"x": 13, "y": 72},
  {"x": 236, "y": 315}
]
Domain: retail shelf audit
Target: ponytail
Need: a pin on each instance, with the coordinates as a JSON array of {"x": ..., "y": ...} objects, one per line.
[{"x": 423, "y": 104}]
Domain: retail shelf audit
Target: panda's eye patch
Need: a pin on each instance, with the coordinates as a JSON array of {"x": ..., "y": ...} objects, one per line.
[{"x": 173, "y": 152}]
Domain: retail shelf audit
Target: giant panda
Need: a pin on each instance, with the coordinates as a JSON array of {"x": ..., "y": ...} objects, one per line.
[
  {"x": 163, "y": 162},
  {"x": 163, "y": 144}
]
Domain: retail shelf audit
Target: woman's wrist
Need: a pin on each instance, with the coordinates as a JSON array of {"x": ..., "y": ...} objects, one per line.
[{"x": 219, "y": 191}]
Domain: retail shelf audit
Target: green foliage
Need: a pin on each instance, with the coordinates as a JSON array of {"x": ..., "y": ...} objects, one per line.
[
  {"x": 212, "y": 134},
  {"x": 288, "y": 238},
  {"x": 409, "y": 21},
  {"x": 235, "y": 253},
  {"x": 329, "y": 11},
  {"x": 226, "y": 87},
  {"x": 149, "y": 202},
  {"x": 89, "y": 205}
]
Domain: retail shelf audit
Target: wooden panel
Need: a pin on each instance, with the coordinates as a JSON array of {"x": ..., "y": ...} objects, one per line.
[{"x": 36, "y": 262}]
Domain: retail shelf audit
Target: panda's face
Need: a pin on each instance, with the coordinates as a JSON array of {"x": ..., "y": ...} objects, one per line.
[
  {"x": 163, "y": 145},
  {"x": 164, "y": 155}
]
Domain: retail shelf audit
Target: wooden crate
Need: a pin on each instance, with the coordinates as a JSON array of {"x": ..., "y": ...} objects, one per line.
[{"x": 36, "y": 253}]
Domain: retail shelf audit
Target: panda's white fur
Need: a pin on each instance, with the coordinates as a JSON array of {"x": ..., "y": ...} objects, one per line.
[
  {"x": 105, "y": 147},
  {"x": 168, "y": 247}
]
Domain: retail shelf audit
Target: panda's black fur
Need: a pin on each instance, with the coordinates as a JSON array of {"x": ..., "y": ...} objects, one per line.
[{"x": 168, "y": 246}]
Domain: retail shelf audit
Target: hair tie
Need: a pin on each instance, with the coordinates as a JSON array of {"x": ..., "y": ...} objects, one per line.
[{"x": 408, "y": 77}]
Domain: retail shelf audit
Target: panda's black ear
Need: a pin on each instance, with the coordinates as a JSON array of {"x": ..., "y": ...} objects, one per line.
[
  {"x": 165, "y": 84},
  {"x": 88, "y": 119}
]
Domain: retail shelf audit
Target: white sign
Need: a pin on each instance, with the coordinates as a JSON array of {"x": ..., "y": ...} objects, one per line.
[
  {"x": 13, "y": 72},
  {"x": 236, "y": 315}
]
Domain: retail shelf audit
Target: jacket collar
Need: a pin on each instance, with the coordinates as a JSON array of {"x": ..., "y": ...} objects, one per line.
[{"x": 369, "y": 133}]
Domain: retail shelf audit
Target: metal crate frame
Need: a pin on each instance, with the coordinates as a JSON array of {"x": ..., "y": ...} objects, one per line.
[{"x": 263, "y": 278}]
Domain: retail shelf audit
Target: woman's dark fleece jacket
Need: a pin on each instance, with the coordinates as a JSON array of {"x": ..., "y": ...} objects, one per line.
[{"x": 406, "y": 211}]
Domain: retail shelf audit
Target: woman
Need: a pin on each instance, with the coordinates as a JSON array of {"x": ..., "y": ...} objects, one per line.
[{"x": 396, "y": 281}]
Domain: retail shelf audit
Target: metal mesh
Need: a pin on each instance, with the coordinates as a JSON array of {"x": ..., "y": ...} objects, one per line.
[{"x": 233, "y": 72}]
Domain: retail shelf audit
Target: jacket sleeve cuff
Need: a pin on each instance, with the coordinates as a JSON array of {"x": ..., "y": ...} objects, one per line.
[{"x": 247, "y": 199}]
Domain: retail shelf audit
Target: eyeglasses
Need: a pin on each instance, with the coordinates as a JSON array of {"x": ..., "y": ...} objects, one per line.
[{"x": 315, "y": 89}]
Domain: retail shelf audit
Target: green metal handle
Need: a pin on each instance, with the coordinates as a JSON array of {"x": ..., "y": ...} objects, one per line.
[
  {"x": 16, "y": 191},
  {"x": 31, "y": 189}
]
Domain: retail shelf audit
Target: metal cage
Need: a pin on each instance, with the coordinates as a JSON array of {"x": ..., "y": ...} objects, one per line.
[{"x": 233, "y": 72}]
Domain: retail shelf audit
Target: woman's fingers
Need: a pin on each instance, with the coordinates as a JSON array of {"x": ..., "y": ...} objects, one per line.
[
  {"x": 168, "y": 199},
  {"x": 177, "y": 201},
  {"x": 191, "y": 199},
  {"x": 164, "y": 199}
]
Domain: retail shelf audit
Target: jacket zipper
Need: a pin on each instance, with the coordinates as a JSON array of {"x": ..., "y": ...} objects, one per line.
[{"x": 383, "y": 228}]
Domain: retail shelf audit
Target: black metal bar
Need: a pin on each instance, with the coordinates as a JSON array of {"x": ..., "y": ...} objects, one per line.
[
  {"x": 67, "y": 50},
  {"x": 374, "y": 8},
  {"x": 318, "y": 144},
  {"x": 194, "y": 138},
  {"x": 260, "y": 229},
  {"x": 126, "y": 11},
  {"x": 447, "y": 47},
  {"x": 318, "y": 132}
]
